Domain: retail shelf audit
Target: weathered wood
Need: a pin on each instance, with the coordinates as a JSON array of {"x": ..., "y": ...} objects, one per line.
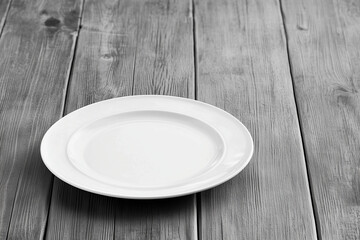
[
  {"x": 323, "y": 39},
  {"x": 36, "y": 52},
  {"x": 76, "y": 214},
  {"x": 103, "y": 69},
  {"x": 242, "y": 67},
  {"x": 157, "y": 34},
  {"x": 156, "y": 219},
  {"x": 127, "y": 47}
]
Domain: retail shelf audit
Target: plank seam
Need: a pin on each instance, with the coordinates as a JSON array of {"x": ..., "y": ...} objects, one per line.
[
  {"x": 198, "y": 215},
  {"x": 13, "y": 204},
  {"x": 17, "y": 184},
  {"x": 197, "y": 206},
  {"x": 114, "y": 225},
  {"x": 134, "y": 66},
  {"x": 48, "y": 211},
  {"x": 192, "y": 5},
  {"x": 313, "y": 202},
  {"x": 72, "y": 63},
  {"x": 64, "y": 104},
  {"x": 5, "y": 17}
]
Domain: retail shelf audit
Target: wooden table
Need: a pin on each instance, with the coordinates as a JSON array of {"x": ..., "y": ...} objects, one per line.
[{"x": 288, "y": 69}]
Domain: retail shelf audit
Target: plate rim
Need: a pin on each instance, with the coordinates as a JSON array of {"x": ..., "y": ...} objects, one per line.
[{"x": 203, "y": 187}]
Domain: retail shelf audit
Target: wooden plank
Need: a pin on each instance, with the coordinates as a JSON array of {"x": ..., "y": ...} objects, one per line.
[
  {"x": 36, "y": 48},
  {"x": 323, "y": 38},
  {"x": 103, "y": 69},
  {"x": 76, "y": 214},
  {"x": 127, "y": 47},
  {"x": 242, "y": 67},
  {"x": 173, "y": 218}
]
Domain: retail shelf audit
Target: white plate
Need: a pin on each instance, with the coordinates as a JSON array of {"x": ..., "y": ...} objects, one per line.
[{"x": 146, "y": 147}]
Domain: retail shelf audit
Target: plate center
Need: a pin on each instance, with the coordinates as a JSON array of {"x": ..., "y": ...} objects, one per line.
[{"x": 145, "y": 149}]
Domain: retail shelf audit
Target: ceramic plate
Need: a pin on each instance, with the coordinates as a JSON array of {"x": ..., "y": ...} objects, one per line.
[{"x": 146, "y": 147}]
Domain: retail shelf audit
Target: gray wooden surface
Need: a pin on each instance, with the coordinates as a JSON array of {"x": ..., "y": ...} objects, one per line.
[
  {"x": 324, "y": 50},
  {"x": 242, "y": 67},
  {"x": 289, "y": 70},
  {"x": 36, "y": 47},
  {"x": 148, "y": 51}
]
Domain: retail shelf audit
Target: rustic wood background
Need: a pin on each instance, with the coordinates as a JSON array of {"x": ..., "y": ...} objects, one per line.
[{"x": 288, "y": 69}]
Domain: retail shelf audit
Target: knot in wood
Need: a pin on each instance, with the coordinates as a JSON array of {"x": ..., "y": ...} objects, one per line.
[{"x": 52, "y": 22}]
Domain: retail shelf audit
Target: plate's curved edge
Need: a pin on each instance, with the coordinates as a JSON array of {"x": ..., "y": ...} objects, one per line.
[{"x": 164, "y": 196}]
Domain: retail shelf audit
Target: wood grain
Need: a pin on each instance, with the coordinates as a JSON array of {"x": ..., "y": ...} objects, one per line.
[
  {"x": 127, "y": 47},
  {"x": 242, "y": 67},
  {"x": 76, "y": 214},
  {"x": 323, "y": 38},
  {"x": 36, "y": 48}
]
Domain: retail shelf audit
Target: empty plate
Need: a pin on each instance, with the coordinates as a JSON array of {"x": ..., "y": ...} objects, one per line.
[{"x": 146, "y": 147}]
